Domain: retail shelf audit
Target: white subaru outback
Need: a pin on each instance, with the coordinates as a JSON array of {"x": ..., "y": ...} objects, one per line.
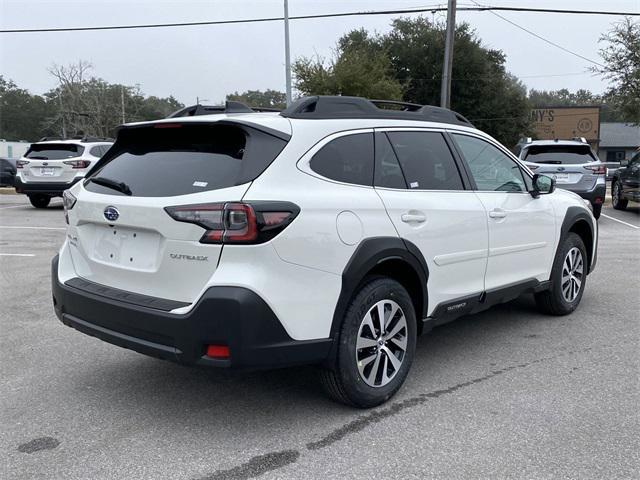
[
  {"x": 332, "y": 233},
  {"x": 52, "y": 165}
]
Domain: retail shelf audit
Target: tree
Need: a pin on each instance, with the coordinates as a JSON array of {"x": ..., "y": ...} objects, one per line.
[
  {"x": 20, "y": 112},
  {"x": 621, "y": 58},
  {"x": 258, "y": 98},
  {"x": 406, "y": 64},
  {"x": 360, "y": 68}
]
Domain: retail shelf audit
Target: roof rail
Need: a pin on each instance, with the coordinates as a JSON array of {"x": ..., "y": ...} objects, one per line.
[
  {"x": 326, "y": 107},
  {"x": 48, "y": 139},
  {"x": 82, "y": 138},
  {"x": 229, "y": 106}
]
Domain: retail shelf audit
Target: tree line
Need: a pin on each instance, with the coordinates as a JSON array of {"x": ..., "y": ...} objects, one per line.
[{"x": 404, "y": 64}]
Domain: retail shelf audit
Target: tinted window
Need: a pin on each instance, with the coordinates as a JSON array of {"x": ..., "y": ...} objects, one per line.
[
  {"x": 53, "y": 151},
  {"x": 347, "y": 159},
  {"x": 387, "y": 172},
  {"x": 98, "y": 151},
  {"x": 158, "y": 162},
  {"x": 426, "y": 160},
  {"x": 560, "y": 155},
  {"x": 490, "y": 167}
]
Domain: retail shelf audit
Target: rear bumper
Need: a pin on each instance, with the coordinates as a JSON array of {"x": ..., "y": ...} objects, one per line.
[
  {"x": 53, "y": 189},
  {"x": 595, "y": 196},
  {"x": 231, "y": 316}
]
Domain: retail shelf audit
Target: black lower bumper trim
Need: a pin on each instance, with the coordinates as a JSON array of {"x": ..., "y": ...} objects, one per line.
[
  {"x": 53, "y": 189},
  {"x": 232, "y": 316}
]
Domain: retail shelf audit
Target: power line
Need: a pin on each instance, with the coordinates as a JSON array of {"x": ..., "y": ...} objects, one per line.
[
  {"x": 542, "y": 38},
  {"x": 325, "y": 15}
]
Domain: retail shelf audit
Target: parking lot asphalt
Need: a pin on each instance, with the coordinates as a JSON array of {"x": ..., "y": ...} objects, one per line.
[{"x": 508, "y": 393}]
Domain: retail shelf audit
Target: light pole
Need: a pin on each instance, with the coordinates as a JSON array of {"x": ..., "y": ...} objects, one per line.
[
  {"x": 445, "y": 91},
  {"x": 287, "y": 51}
]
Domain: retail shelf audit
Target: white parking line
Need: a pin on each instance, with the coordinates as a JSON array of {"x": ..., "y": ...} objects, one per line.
[
  {"x": 17, "y": 255},
  {"x": 26, "y": 205},
  {"x": 619, "y": 221},
  {"x": 33, "y": 228}
]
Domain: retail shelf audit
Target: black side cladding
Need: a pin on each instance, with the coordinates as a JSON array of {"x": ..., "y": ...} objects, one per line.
[{"x": 577, "y": 219}]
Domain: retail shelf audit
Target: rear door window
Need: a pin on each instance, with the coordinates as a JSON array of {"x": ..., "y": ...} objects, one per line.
[
  {"x": 426, "y": 161},
  {"x": 54, "y": 151},
  {"x": 560, "y": 155},
  {"x": 347, "y": 159},
  {"x": 178, "y": 159}
]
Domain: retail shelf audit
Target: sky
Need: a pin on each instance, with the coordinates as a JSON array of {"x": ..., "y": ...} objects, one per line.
[{"x": 211, "y": 61}]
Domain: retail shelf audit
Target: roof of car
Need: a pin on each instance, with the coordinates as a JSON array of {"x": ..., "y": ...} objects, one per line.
[
  {"x": 554, "y": 143},
  {"x": 75, "y": 141}
]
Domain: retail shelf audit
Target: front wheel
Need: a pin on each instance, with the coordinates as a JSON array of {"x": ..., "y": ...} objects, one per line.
[
  {"x": 376, "y": 345},
  {"x": 39, "y": 201},
  {"x": 617, "y": 201},
  {"x": 568, "y": 278}
]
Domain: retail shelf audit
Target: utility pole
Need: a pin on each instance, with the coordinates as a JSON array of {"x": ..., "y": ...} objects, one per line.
[
  {"x": 445, "y": 92},
  {"x": 287, "y": 51},
  {"x": 64, "y": 127},
  {"x": 122, "y": 102}
]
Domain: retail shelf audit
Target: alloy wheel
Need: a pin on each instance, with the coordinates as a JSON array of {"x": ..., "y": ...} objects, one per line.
[
  {"x": 572, "y": 274},
  {"x": 381, "y": 343}
]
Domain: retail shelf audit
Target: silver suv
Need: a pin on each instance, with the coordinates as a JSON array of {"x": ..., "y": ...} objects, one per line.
[
  {"x": 572, "y": 163},
  {"x": 53, "y": 165}
]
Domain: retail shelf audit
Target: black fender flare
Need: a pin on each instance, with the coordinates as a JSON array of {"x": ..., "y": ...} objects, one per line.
[
  {"x": 371, "y": 252},
  {"x": 571, "y": 217}
]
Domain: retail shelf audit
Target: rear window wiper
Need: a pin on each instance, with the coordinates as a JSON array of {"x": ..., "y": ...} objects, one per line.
[{"x": 113, "y": 184}]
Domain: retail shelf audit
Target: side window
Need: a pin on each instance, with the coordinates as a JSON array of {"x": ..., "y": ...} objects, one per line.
[
  {"x": 490, "y": 167},
  {"x": 426, "y": 161},
  {"x": 387, "y": 172},
  {"x": 97, "y": 151},
  {"x": 347, "y": 159}
]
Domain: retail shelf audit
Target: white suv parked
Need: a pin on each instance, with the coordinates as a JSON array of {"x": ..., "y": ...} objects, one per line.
[
  {"x": 53, "y": 165},
  {"x": 333, "y": 233}
]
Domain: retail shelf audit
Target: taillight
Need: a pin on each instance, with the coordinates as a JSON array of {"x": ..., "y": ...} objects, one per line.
[
  {"x": 77, "y": 163},
  {"x": 68, "y": 201},
  {"x": 597, "y": 169},
  {"x": 21, "y": 163},
  {"x": 237, "y": 223}
]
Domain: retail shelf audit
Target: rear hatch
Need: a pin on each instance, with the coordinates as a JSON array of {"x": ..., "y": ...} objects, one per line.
[
  {"x": 51, "y": 162},
  {"x": 121, "y": 234},
  {"x": 574, "y": 167}
]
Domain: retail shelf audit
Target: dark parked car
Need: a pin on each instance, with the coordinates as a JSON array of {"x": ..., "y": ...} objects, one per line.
[
  {"x": 7, "y": 172},
  {"x": 625, "y": 185}
]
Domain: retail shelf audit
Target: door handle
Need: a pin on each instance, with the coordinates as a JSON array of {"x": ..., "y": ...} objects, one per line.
[
  {"x": 497, "y": 213},
  {"x": 413, "y": 218}
]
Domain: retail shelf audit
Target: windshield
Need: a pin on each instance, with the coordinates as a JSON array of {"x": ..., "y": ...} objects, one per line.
[
  {"x": 560, "y": 155},
  {"x": 54, "y": 151}
]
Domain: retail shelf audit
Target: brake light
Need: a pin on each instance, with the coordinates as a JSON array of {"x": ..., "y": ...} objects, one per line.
[
  {"x": 21, "y": 163},
  {"x": 77, "y": 163},
  {"x": 235, "y": 222},
  {"x": 597, "y": 169}
]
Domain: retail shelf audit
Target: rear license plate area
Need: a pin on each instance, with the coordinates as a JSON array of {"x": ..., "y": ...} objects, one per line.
[
  {"x": 561, "y": 177},
  {"x": 47, "y": 171},
  {"x": 126, "y": 247}
]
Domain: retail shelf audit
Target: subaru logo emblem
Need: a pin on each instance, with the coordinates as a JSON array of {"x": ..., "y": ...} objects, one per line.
[{"x": 111, "y": 214}]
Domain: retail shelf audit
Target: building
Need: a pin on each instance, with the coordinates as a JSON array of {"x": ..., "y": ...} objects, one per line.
[
  {"x": 618, "y": 141},
  {"x": 13, "y": 149}
]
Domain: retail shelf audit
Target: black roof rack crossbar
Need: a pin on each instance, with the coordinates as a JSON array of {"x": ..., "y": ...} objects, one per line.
[
  {"x": 328, "y": 107},
  {"x": 230, "y": 106}
]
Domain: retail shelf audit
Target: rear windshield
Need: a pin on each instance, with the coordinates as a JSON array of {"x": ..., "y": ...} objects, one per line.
[
  {"x": 560, "y": 155},
  {"x": 54, "y": 151},
  {"x": 177, "y": 159}
]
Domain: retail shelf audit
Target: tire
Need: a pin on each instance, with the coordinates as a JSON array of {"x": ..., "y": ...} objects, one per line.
[
  {"x": 597, "y": 210},
  {"x": 346, "y": 384},
  {"x": 617, "y": 201},
  {"x": 39, "y": 201},
  {"x": 562, "y": 298}
]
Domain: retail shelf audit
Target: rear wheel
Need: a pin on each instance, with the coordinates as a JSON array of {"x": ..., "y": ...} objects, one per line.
[
  {"x": 568, "y": 278},
  {"x": 597, "y": 210},
  {"x": 39, "y": 201},
  {"x": 375, "y": 347},
  {"x": 618, "y": 202}
]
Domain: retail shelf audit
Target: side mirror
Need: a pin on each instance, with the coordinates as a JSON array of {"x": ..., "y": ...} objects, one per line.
[
  {"x": 542, "y": 185},
  {"x": 624, "y": 162}
]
